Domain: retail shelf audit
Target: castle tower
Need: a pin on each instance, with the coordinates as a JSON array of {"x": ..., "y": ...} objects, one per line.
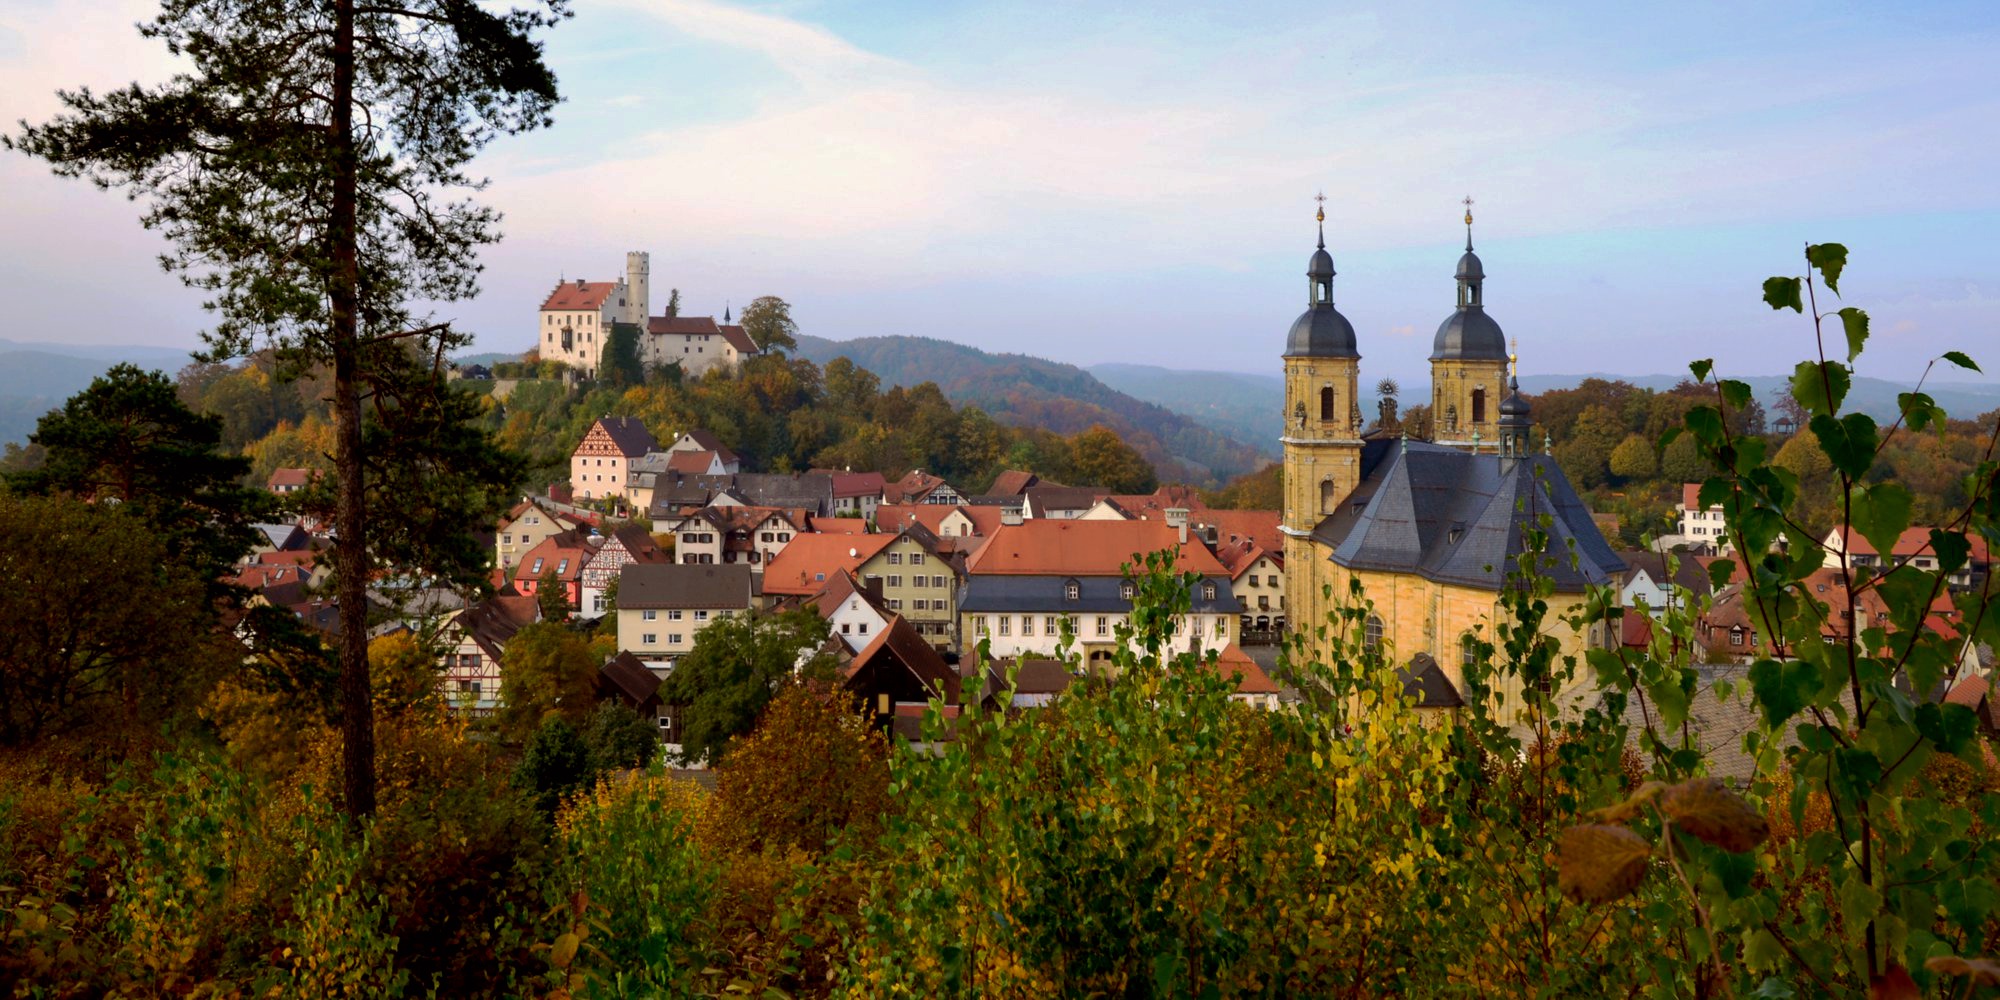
[
  {"x": 1468, "y": 360},
  {"x": 1322, "y": 439},
  {"x": 637, "y": 291}
]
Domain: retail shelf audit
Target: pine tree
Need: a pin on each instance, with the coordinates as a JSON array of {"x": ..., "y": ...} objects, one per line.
[{"x": 304, "y": 172}]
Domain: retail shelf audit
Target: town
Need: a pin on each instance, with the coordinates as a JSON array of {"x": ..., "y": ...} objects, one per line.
[{"x": 726, "y": 499}]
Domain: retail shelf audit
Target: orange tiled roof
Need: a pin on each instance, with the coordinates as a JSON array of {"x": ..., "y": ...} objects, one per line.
[
  {"x": 579, "y": 294},
  {"x": 1086, "y": 548},
  {"x": 809, "y": 561},
  {"x": 1250, "y": 678}
]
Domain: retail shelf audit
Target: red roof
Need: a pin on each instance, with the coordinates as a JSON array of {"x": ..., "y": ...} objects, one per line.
[
  {"x": 691, "y": 463},
  {"x": 579, "y": 294},
  {"x": 685, "y": 325},
  {"x": 1912, "y": 542},
  {"x": 290, "y": 477},
  {"x": 1238, "y": 556},
  {"x": 840, "y": 525},
  {"x": 571, "y": 545},
  {"x": 912, "y": 488},
  {"x": 855, "y": 484},
  {"x": 1013, "y": 483},
  {"x": 739, "y": 338},
  {"x": 805, "y": 565},
  {"x": 1250, "y": 678},
  {"x": 1087, "y": 548},
  {"x": 1260, "y": 526},
  {"x": 1635, "y": 630},
  {"x": 1691, "y": 496}
]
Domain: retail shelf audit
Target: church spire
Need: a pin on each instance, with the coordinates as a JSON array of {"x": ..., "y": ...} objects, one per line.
[
  {"x": 1321, "y": 216},
  {"x": 1468, "y": 223}
]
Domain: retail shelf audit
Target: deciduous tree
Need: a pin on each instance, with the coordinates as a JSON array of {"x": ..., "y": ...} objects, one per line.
[
  {"x": 768, "y": 321},
  {"x": 547, "y": 671},
  {"x": 734, "y": 669}
]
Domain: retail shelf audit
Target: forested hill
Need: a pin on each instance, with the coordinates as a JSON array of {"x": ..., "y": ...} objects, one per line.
[{"x": 1026, "y": 391}]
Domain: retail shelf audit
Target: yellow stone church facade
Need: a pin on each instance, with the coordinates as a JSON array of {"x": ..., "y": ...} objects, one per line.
[{"x": 1429, "y": 529}]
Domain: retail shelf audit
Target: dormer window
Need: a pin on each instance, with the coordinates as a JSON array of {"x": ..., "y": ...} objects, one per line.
[
  {"x": 1125, "y": 590},
  {"x": 536, "y": 569},
  {"x": 1072, "y": 591},
  {"x": 1208, "y": 592}
]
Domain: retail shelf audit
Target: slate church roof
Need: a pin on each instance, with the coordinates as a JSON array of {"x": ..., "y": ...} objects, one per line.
[{"x": 1458, "y": 517}]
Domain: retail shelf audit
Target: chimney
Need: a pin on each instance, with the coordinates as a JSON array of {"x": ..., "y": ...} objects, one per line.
[
  {"x": 1177, "y": 517},
  {"x": 1010, "y": 515}
]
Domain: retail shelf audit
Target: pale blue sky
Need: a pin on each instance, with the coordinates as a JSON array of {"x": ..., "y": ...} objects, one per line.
[{"x": 1095, "y": 183}]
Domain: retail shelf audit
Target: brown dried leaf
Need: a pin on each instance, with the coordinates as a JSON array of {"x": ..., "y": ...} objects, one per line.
[
  {"x": 1629, "y": 808},
  {"x": 1984, "y": 971},
  {"x": 1599, "y": 863},
  {"x": 1894, "y": 984},
  {"x": 1715, "y": 814}
]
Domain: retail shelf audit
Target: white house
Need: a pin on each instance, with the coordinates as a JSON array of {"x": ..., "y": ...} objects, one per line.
[
  {"x": 577, "y": 316},
  {"x": 697, "y": 343},
  {"x": 854, "y": 614}
]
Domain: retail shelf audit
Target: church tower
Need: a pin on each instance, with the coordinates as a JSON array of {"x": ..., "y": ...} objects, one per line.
[
  {"x": 1322, "y": 439},
  {"x": 1468, "y": 360}
]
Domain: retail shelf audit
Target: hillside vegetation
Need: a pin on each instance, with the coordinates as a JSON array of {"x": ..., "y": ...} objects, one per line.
[{"x": 1032, "y": 392}]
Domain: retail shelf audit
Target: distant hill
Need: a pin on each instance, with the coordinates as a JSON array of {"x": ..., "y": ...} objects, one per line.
[
  {"x": 36, "y": 378},
  {"x": 1034, "y": 392},
  {"x": 1873, "y": 396},
  {"x": 1248, "y": 408}
]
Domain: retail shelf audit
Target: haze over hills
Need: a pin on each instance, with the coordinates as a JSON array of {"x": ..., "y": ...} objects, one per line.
[
  {"x": 36, "y": 376},
  {"x": 1029, "y": 391}
]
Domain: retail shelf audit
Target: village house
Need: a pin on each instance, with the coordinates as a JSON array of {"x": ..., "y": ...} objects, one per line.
[
  {"x": 1646, "y": 580},
  {"x": 1913, "y": 547},
  {"x": 698, "y": 344},
  {"x": 563, "y": 554},
  {"x": 806, "y": 565},
  {"x": 625, "y": 545},
  {"x": 599, "y": 466},
  {"x": 1254, "y": 687},
  {"x": 855, "y": 494},
  {"x": 577, "y": 316},
  {"x": 1700, "y": 526},
  {"x": 286, "y": 481},
  {"x": 527, "y": 525},
  {"x": 1257, "y": 578},
  {"x": 897, "y": 673},
  {"x": 1730, "y": 631},
  {"x": 474, "y": 642},
  {"x": 1061, "y": 502},
  {"x": 1031, "y": 578},
  {"x": 724, "y": 535},
  {"x": 853, "y": 612},
  {"x": 921, "y": 487},
  {"x": 662, "y": 607},
  {"x": 914, "y": 579},
  {"x": 944, "y": 521}
]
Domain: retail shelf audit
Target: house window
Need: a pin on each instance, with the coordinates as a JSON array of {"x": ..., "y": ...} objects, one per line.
[
  {"x": 1006, "y": 625},
  {"x": 1103, "y": 625},
  {"x": 916, "y": 559},
  {"x": 701, "y": 616},
  {"x": 506, "y": 539},
  {"x": 674, "y": 638},
  {"x": 1208, "y": 592},
  {"x": 1468, "y": 650},
  {"x": 1125, "y": 590},
  {"x": 979, "y": 624},
  {"x": 1371, "y": 633},
  {"x": 1027, "y": 624},
  {"x": 562, "y": 567},
  {"x": 1222, "y": 627},
  {"x": 1071, "y": 591},
  {"x": 648, "y": 615},
  {"x": 895, "y": 580},
  {"x": 536, "y": 569},
  {"x": 1736, "y": 635},
  {"x": 649, "y": 638},
  {"x": 673, "y": 615},
  {"x": 895, "y": 558}
]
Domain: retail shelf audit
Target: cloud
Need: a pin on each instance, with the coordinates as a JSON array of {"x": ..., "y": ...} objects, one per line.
[{"x": 1405, "y": 330}]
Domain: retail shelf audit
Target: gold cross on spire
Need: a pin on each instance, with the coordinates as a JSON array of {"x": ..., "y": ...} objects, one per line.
[
  {"x": 1514, "y": 357},
  {"x": 1468, "y": 210},
  {"x": 1321, "y": 198}
]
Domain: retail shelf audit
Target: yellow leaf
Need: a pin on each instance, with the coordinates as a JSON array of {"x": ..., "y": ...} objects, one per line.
[
  {"x": 1599, "y": 863},
  {"x": 1984, "y": 971},
  {"x": 1712, "y": 812},
  {"x": 564, "y": 951}
]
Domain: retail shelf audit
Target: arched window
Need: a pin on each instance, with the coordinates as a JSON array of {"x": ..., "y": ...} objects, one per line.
[
  {"x": 1371, "y": 633},
  {"x": 1479, "y": 406},
  {"x": 1326, "y": 402},
  {"x": 1468, "y": 647},
  {"x": 1326, "y": 497}
]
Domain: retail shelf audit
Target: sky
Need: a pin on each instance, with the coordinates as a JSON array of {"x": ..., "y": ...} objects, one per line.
[{"x": 1134, "y": 182}]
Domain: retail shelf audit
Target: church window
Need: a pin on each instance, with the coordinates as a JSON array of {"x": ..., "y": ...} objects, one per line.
[
  {"x": 1371, "y": 633},
  {"x": 1479, "y": 406},
  {"x": 1326, "y": 403},
  {"x": 1326, "y": 498},
  {"x": 1468, "y": 648}
]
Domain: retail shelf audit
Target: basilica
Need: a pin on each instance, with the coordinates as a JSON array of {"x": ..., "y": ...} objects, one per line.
[{"x": 1430, "y": 529}]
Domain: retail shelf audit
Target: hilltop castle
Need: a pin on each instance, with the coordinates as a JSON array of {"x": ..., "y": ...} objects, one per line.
[{"x": 1430, "y": 529}]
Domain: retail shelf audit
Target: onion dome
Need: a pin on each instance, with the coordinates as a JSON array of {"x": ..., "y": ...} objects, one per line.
[{"x": 1321, "y": 331}]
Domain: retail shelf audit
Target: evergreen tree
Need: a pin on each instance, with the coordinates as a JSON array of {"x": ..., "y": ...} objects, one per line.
[
  {"x": 303, "y": 172},
  {"x": 673, "y": 303},
  {"x": 621, "y": 366},
  {"x": 551, "y": 594},
  {"x": 128, "y": 438}
]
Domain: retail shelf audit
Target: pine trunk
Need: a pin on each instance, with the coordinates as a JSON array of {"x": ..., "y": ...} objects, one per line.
[{"x": 357, "y": 720}]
